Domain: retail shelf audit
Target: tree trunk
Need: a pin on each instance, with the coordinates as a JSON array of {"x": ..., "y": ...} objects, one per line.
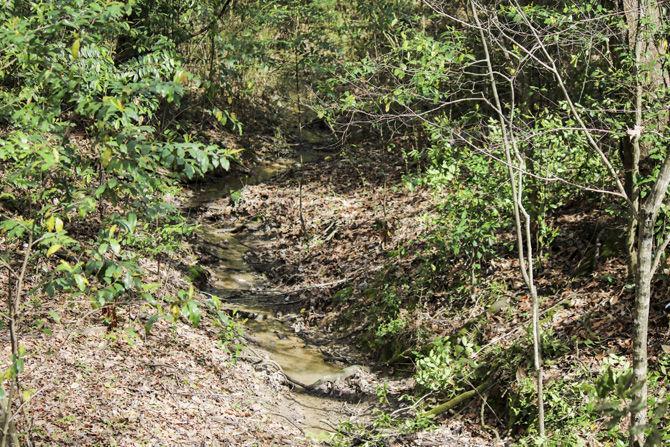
[
  {"x": 643, "y": 18},
  {"x": 630, "y": 157},
  {"x": 8, "y": 435},
  {"x": 642, "y": 302},
  {"x": 630, "y": 145},
  {"x": 516, "y": 169}
]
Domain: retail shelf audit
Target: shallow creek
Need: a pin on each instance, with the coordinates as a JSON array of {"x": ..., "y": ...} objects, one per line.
[{"x": 240, "y": 287}]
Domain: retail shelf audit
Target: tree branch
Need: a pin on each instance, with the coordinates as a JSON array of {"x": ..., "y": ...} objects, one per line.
[{"x": 209, "y": 26}]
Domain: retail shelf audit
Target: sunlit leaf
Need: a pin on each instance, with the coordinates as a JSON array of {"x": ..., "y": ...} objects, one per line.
[
  {"x": 53, "y": 249},
  {"x": 74, "y": 50}
]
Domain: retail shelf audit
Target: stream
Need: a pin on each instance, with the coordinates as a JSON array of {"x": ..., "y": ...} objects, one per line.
[{"x": 242, "y": 288}]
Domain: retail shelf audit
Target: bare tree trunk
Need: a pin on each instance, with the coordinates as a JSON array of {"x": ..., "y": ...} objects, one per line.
[
  {"x": 523, "y": 230},
  {"x": 630, "y": 146},
  {"x": 640, "y": 246},
  {"x": 631, "y": 164},
  {"x": 642, "y": 301},
  {"x": 8, "y": 435},
  {"x": 648, "y": 262},
  {"x": 643, "y": 18}
]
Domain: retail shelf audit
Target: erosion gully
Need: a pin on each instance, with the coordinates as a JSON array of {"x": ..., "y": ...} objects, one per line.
[{"x": 244, "y": 290}]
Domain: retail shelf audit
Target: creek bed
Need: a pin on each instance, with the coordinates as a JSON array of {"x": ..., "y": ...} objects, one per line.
[{"x": 240, "y": 287}]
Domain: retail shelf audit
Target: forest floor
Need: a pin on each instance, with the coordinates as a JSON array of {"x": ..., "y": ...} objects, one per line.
[
  {"x": 310, "y": 230},
  {"x": 320, "y": 226},
  {"x": 88, "y": 384},
  {"x": 345, "y": 224}
]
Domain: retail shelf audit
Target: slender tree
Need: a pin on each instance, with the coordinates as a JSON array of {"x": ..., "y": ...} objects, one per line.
[{"x": 522, "y": 221}]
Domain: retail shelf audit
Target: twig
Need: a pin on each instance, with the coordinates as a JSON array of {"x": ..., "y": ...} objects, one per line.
[
  {"x": 290, "y": 421},
  {"x": 217, "y": 17}
]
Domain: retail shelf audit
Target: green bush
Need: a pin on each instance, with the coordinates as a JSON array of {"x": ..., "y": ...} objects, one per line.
[{"x": 449, "y": 366}]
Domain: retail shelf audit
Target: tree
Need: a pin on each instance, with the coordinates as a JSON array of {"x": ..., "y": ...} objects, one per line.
[
  {"x": 583, "y": 111},
  {"x": 643, "y": 21},
  {"x": 516, "y": 167},
  {"x": 85, "y": 157}
]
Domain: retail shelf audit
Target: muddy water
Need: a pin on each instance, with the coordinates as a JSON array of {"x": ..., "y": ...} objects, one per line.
[{"x": 240, "y": 287}]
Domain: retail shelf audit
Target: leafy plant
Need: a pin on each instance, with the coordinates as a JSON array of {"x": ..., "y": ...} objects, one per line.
[{"x": 448, "y": 366}]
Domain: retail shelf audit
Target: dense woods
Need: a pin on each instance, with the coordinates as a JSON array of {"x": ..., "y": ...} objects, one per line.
[{"x": 452, "y": 214}]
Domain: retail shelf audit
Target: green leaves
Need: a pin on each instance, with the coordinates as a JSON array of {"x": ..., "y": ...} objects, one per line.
[
  {"x": 115, "y": 246},
  {"x": 74, "y": 50},
  {"x": 196, "y": 159},
  {"x": 80, "y": 281},
  {"x": 191, "y": 311},
  {"x": 54, "y": 223},
  {"x": 130, "y": 223},
  {"x": 447, "y": 366},
  {"x": 70, "y": 74},
  {"x": 224, "y": 117},
  {"x": 14, "y": 228},
  {"x": 53, "y": 249}
]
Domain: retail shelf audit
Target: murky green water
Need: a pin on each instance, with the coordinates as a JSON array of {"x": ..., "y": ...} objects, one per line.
[{"x": 240, "y": 286}]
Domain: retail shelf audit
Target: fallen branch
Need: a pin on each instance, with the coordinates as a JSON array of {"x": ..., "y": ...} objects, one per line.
[{"x": 456, "y": 401}]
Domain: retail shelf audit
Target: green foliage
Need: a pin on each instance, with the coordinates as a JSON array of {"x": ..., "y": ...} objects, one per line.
[
  {"x": 231, "y": 331},
  {"x": 103, "y": 107},
  {"x": 391, "y": 327},
  {"x": 89, "y": 163},
  {"x": 388, "y": 308},
  {"x": 82, "y": 133},
  {"x": 375, "y": 434},
  {"x": 449, "y": 366},
  {"x": 474, "y": 213},
  {"x": 409, "y": 66},
  {"x": 581, "y": 409},
  {"x": 571, "y": 411},
  {"x": 271, "y": 51}
]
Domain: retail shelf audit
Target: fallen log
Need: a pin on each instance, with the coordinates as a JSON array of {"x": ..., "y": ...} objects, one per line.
[{"x": 456, "y": 401}]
